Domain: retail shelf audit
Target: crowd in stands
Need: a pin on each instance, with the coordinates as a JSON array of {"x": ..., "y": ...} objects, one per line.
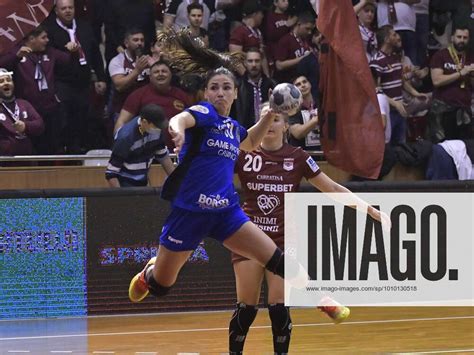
[{"x": 94, "y": 64}]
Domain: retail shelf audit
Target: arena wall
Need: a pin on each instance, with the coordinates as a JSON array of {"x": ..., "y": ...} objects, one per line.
[
  {"x": 74, "y": 177},
  {"x": 72, "y": 252}
]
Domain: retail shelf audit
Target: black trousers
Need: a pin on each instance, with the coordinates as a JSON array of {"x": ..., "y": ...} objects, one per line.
[
  {"x": 76, "y": 108},
  {"x": 50, "y": 142}
]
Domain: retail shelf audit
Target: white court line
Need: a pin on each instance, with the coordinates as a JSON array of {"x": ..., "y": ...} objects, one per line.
[
  {"x": 226, "y": 329},
  {"x": 163, "y": 314}
]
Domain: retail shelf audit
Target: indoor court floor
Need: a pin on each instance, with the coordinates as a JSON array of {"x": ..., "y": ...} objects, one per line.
[{"x": 376, "y": 330}]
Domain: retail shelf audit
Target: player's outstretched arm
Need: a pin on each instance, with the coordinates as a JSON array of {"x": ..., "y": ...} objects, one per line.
[
  {"x": 327, "y": 185},
  {"x": 178, "y": 124},
  {"x": 167, "y": 165},
  {"x": 258, "y": 130}
]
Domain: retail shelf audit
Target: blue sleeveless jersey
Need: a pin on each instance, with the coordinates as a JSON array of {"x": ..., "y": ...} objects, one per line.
[{"x": 208, "y": 185}]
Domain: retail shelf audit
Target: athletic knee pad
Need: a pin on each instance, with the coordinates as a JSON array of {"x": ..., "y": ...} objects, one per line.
[
  {"x": 239, "y": 325},
  {"x": 281, "y": 327},
  {"x": 154, "y": 287},
  {"x": 276, "y": 264},
  {"x": 295, "y": 273}
]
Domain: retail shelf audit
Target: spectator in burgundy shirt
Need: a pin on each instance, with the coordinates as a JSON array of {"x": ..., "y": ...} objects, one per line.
[
  {"x": 277, "y": 24},
  {"x": 73, "y": 81},
  {"x": 292, "y": 48},
  {"x": 160, "y": 92},
  {"x": 18, "y": 120},
  {"x": 34, "y": 64},
  {"x": 451, "y": 72},
  {"x": 248, "y": 35},
  {"x": 129, "y": 70}
]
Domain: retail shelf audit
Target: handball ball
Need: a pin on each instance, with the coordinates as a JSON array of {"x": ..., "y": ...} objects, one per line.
[{"x": 286, "y": 98}]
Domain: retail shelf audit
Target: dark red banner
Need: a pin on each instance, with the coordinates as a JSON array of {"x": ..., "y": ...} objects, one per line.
[
  {"x": 18, "y": 18},
  {"x": 352, "y": 134}
]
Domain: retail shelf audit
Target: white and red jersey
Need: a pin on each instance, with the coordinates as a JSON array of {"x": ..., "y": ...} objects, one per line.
[{"x": 265, "y": 176}]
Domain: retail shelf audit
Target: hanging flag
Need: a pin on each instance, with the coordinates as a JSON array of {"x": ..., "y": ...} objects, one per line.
[
  {"x": 18, "y": 18},
  {"x": 352, "y": 133}
]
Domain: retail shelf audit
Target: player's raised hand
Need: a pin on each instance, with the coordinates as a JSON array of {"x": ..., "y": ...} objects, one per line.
[
  {"x": 267, "y": 113},
  {"x": 178, "y": 139},
  {"x": 177, "y": 126}
]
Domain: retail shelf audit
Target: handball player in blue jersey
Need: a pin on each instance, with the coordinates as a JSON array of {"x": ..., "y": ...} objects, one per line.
[{"x": 204, "y": 201}]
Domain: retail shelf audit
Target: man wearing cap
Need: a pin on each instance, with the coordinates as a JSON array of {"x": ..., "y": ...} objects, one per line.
[
  {"x": 137, "y": 143},
  {"x": 248, "y": 35},
  {"x": 18, "y": 120}
]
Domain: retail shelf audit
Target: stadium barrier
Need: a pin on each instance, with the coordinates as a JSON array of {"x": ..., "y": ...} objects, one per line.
[{"x": 72, "y": 252}]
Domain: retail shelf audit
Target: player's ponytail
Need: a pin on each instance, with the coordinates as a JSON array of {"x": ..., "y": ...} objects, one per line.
[{"x": 189, "y": 56}]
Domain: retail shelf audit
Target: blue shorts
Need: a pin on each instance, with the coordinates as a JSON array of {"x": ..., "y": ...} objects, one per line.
[{"x": 184, "y": 230}]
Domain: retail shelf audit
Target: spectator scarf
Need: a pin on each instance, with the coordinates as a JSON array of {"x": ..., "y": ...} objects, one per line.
[
  {"x": 15, "y": 116},
  {"x": 369, "y": 36},
  {"x": 257, "y": 97},
  {"x": 256, "y": 33},
  {"x": 40, "y": 77},
  {"x": 73, "y": 38}
]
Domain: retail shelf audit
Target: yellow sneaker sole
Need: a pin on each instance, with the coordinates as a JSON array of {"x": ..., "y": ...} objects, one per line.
[{"x": 134, "y": 293}]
